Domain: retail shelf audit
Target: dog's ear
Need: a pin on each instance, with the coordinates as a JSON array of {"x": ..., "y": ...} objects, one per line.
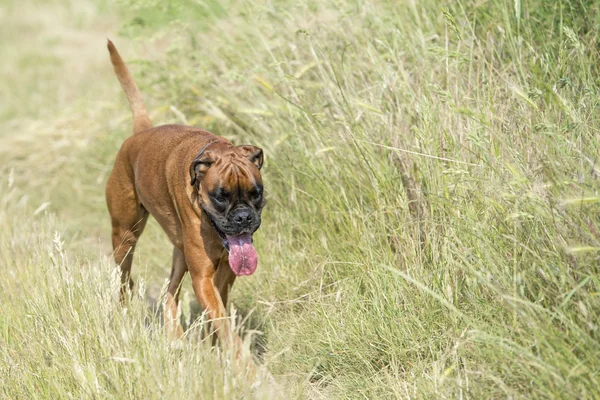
[
  {"x": 199, "y": 166},
  {"x": 254, "y": 154}
]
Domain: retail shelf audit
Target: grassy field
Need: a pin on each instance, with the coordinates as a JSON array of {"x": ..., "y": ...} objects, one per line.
[{"x": 432, "y": 223}]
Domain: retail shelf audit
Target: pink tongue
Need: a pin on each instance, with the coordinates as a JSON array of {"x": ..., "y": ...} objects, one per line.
[{"x": 242, "y": 255}]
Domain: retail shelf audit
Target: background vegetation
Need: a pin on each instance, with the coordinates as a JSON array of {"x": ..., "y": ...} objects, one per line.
[{"x": 432, "y": 225}]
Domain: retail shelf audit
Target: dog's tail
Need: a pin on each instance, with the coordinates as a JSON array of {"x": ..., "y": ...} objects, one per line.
[{"x": 141, "y": 120}]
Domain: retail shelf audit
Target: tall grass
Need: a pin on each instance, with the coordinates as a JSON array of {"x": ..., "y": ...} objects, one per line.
[
  {"x": 431, "y": 172},
  {"x": 63, "y": 334}
]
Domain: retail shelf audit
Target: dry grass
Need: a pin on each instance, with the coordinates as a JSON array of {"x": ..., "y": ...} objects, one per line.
[{"x": 432, "y": 182}]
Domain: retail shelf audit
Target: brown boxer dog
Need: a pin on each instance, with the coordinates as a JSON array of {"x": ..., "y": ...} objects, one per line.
[{"x": 207, "y": 195}]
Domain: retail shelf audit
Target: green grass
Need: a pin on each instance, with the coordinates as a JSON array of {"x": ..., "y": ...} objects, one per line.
[{"x": 431, "y": 228}]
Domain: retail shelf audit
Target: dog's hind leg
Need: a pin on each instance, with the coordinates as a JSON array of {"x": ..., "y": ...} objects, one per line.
[
  {"x": 124, "y": 238},
  {"x": 178, "y": 270},
  {"x": 128, "y": 218}
]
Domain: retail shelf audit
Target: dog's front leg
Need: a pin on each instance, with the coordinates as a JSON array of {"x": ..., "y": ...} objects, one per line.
[
  {"x": 178, "y": 270},
  {"x": 209, "y": 298},
  {"x": 202, "y": 270}
]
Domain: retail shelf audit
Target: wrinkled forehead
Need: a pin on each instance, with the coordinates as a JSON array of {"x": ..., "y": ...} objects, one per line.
[{"x": 234, "y": 172}]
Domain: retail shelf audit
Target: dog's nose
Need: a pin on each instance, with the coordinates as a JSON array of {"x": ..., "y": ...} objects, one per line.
[{"x": 243, "y": 217}]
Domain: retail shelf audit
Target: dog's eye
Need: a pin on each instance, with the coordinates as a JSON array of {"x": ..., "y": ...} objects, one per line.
[
  {"x": 256, "y": 195},
  {"x": 221, "y": 197}
]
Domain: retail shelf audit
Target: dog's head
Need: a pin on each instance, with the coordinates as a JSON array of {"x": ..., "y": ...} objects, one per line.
[{"x": 230, "y": 191}]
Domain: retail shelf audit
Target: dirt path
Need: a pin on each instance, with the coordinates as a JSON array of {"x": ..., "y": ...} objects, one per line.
[
  {"x": 56, "y": 78},
  {"x": 64, "y": 123},
  {"x": 53, "y": 56}
]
